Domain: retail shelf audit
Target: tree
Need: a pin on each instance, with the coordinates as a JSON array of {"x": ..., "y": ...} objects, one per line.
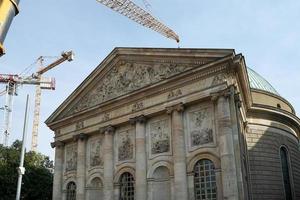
[{"x": 37, "y": 180}]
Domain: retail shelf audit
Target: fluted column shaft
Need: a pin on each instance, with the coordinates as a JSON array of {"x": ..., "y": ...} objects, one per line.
[
  {"x": 180, "y": 175},
  {"x": 141, "y": 160},
  {"x": 228, "y": 164},
  {"x": 58, "y": 170},
  {"x": 80, "y": 172},
  {"x": 108, "y": 163}
]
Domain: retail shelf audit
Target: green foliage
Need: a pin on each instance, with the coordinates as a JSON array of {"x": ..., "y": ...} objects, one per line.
[{"x": 37, "y": 181}]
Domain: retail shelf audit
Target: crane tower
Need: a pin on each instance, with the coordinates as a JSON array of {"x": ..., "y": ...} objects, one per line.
[
  {"x": 139, "y": 15},
  {"x": 65, "y": 56}
]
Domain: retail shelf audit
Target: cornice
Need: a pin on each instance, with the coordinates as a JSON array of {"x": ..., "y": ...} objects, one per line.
[{"x": 271, "y": 113}]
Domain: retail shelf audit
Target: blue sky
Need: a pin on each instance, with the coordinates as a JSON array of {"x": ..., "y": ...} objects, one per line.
[{"x": 266, "y": 32}]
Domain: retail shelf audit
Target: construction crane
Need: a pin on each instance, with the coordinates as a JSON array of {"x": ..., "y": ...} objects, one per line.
[
  {"x": 139, "y": 15},
  {"x": 12, "y": 82},
  {"x": 65, "y": 56},
  {"x": 8, "y": 10}
]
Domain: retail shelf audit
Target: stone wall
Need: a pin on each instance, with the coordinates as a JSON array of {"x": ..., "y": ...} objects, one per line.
[{"x": 265, "y": 163}]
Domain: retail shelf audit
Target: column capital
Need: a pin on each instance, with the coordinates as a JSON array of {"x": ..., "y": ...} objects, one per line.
[
  {"x": 178, "y": 107},
  {"x": 80, "y": 136},
  {"x": 223, "y": 93},
  {"x": 109, "y": 129},
  {"x": 57, "y": 144},
  {"x": 139, "y": 119}
]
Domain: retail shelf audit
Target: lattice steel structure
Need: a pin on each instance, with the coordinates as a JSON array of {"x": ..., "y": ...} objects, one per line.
[{"x": 139, "y": 15}]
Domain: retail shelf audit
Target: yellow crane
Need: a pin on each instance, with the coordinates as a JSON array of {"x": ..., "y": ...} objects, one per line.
[
  {"x": 65, "y": 56},
  {"x": 140, "y": 16}
]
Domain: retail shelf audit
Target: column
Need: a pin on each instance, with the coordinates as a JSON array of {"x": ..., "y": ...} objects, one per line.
[
  {"x": 80, "y": 172},
  {"x": 108, "y": 163},
  {"x": 58, "y": 169},
  {"x": 141, "y": 159},
  {"x": 180, "y": 174},
  {"x": 226, "y": 146}
]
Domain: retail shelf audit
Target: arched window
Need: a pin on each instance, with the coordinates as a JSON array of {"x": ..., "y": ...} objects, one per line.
[
  {"x": 71, "y": 191},
  {"x": 285, "y": 173},
  {"x": 205, "y": 180},
  {"x": 126, "y": 186}
]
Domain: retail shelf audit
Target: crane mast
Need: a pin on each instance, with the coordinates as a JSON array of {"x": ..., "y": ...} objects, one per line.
[
  {"x": 65, "y": 56},
  {"x": 139, "y": 15},
  {"x": 13, "y": 81}
]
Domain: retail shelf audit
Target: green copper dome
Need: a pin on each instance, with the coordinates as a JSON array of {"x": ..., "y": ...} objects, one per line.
[{"x": 258, "y": 82}]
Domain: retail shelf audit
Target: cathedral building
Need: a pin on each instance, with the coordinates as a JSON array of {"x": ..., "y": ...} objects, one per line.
[{"x": 175, "y": 124}]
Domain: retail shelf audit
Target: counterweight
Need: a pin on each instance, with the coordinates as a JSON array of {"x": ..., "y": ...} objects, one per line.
[{"x": 137, "y": 14}]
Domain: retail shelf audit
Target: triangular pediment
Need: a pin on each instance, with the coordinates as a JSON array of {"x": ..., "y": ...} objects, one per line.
[{"x": 127, "y": 70}]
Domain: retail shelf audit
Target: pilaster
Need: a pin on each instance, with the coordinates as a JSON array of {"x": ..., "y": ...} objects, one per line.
[
  {"x": 80, "y": 172},
  {"x": 58, "y": 169},
  {"x": 108, "y": 163},
  {"x": 180, "y": 172},
  {"x": 226, "y": 145},
  {"x": 141, "y": 159}
]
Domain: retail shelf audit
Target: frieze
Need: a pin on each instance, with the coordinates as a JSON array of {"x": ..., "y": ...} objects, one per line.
[
  {"x": 137, "y": 106},
  {"x": 106, "y": 116},
  {"x": 127, "y": 77},
  {"x": 174, "y": 93},
  {"x": 71, "y": 157},
  {"x": 79, "y": 125},
  {"x": 200, "y": 125},
  {"x": 95, "y": 153},
  {"x": 219, "y": 78},
  {"x": 125, "y": 145},
  {"x": 160, "y": 139}
]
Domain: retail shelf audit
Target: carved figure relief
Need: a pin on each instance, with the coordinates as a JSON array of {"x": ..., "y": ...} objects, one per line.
[
  {"x": 160, "y": 137},
  {"x": 218, "y": 79},
  {"x": 125, "y": 78},
  {"x": 137, "y": 106},
  {"x": 126, "y": 145},
  {"x": 105, "y": 117},
  {"x": 174, "y": 93},
  {"x": 71, "y": 157},
  {"x": 79, "y": 125},
  {"x": 95, "y": 153},
  {"x": 201, "y": 131}
]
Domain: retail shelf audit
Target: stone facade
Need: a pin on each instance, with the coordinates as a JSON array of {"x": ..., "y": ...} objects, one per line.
[{"x": 177, "y": 124}]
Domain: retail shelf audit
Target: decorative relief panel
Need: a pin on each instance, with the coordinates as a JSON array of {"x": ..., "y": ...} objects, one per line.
[
  {"x": 125, "y": 78},
  {"x": 160, "y": 136},
  {"x": 126, "y": 143},
  {"x": 79, "y": 125},
  {"x": 219, "y": 78},
  {"x": 174, "y": 93},
  {"x": 200, "y": 127},
  {"x": 71, "y": 157},
  {"x": 96, "y": 158},
  {"x": 137, "y": 106}
]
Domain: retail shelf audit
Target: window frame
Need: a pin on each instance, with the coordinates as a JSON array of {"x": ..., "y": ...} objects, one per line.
[
  {"x": 127, "y": 186},
  {"x": 285, "y": 149},
  {"x": 71, "y": 192},
  {"x": 198, "y": 179}
]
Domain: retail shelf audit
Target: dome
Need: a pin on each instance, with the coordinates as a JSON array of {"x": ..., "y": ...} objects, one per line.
[{"x": 258, "y": 82}]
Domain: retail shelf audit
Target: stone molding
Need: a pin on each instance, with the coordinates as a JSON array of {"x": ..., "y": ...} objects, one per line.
[
  {"x": 57, "y": 144},
  {"x": 178, "y": 107}
]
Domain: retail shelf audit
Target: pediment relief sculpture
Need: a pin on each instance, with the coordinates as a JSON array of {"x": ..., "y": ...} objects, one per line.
[{"x": 125, "y": 78}]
